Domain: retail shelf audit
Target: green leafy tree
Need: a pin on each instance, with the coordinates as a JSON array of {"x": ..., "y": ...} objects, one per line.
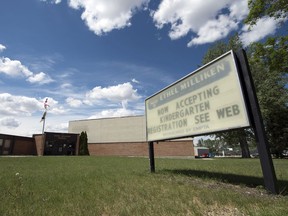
[
  {"x": 269, "y": 66},
  {"x": 262, "y": 8},
  {"x": 83, "y": 144}
]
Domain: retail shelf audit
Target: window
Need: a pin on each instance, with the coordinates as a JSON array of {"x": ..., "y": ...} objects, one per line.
[{"x": 7, "y": 143}]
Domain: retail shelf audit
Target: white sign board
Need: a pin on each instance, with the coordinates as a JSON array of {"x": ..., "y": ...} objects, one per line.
[{"x": 205, "y": 101}]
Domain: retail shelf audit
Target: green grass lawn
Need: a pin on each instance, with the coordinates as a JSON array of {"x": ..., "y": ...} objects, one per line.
[{"x": 125, "y": 186}]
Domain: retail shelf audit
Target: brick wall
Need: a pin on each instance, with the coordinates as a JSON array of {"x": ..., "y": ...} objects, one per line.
[
  {"x": 16, "y": 145},
  {"x": 24, "y": 147},
  {"x": 39, "y": 144},
  {"x": 168, "y": 148}
]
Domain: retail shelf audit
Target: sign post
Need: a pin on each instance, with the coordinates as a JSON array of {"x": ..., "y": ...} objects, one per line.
[
  {"x": 270, "y": 180},
  {"x": 151, "y": 157}
]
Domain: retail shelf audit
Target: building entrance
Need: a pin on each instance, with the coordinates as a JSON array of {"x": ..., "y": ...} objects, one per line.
[{"x": 60, "y": 144}]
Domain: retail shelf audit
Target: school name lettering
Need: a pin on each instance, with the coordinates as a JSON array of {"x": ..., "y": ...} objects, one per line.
[
  {"x": 191, "y": 83},
  {"x": 196, "y": 79}
]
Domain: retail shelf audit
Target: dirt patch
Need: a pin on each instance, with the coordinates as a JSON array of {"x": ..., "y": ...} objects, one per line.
[
  {"x": 256, "y": 192},
  {"x": 215, "y": 210}
]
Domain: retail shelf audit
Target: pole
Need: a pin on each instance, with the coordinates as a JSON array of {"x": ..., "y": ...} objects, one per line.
[
  {"x": 44, "y": 120},
  {"x": 43, "y": 126},
  {"x": 151, "y": 157},
  {"x": 43, "y": 137},
  {"x": 257, "y": 124}
]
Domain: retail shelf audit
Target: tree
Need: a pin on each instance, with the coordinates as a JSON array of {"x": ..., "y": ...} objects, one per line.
[
  {"x": 261, "y": 8},
  {"x": 83, "y": 144},
  {"x": 221, "y": 47},
  {"x": 269, "y": 66}
]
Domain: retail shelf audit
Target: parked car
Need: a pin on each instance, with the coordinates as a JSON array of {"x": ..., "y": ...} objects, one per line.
[{"x": 201, "y": 152}]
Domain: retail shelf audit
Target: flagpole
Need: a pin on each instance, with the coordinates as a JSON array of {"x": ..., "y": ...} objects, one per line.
[
  {"x": 43, "y": 126},
  {"x": 43, "y": 138},
  {"x": 44, "y": 121}
]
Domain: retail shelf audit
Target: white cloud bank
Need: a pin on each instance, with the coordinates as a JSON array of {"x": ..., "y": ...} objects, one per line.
[
  {"x": 9, "y": 122},
  {"x": 21, "y": 115},
  {"x": 15, "y": 68},
  {"x": 207, "y": 21},
  {"x": 14, "y": 105},
  {"x": 118, "y": 96},
  {"x": 11, "y": 105},
  {"x": 102, "y": 16},
  {"x": 113, "y": 113},
  {"x": 210, "y": 20},
  {"x": 264, "y": 27},
  {"x": 203, "y": 18},
  {"x": 118, "y": 93}
]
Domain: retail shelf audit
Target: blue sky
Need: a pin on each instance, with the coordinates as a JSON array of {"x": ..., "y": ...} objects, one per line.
[{"x": 101, "y": 58}]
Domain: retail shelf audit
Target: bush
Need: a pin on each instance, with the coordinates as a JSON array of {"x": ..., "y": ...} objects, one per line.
[{"x": 83, "y": 144}]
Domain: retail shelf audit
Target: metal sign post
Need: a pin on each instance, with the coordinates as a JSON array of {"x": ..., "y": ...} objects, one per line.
[
  {"x": 151, "y": 157},
  {"x": 270, "y": 180}
]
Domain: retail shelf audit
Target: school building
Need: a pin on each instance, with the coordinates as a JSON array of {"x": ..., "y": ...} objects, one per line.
[
  {"x": 126, "y": 136},
  {"x": 121, "y": 136},
  {"x": 42, "y": 145}
]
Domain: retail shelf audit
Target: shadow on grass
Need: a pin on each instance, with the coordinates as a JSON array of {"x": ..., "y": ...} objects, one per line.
[{"x": 249, "y": 181}]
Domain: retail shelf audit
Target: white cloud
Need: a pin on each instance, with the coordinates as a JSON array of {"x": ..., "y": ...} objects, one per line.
[
  {"x": 2, "y": 47},
  {"x": 123, "y": 111},
  {"x": 21, "y": 115},
  {"x": 40, "y": 78},
  {"x": 59, "y": 127},
  {"x": 102, "y": 16},
  {"x": 73, "y": 102},
  {"x": 118, "y": 93},
  {"x": 54, "y": 107},
  {"x": 200, "y": 17},
  {"x": 18, "y": 105},
  {"x": 9, "y": 122},
  {"x": 15, "y": 68},
  {"x": 13, "y": 105},
  {"x": 135, "y": 81},
  {"x": 264, "y": 27},
  {"x": 52, "y": 1},
  {"x": 214, "y": 30},
  {"x": 239, "y": 9},
  {"x": 113, "y": 113},
  {"x": 66, "y": 86}
]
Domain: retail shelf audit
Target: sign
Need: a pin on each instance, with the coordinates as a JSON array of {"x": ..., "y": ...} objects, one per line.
[{"x": 205, "y": 101}]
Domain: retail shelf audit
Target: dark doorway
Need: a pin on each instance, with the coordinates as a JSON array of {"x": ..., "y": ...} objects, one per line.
[{"x": 60, "y": 144}]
